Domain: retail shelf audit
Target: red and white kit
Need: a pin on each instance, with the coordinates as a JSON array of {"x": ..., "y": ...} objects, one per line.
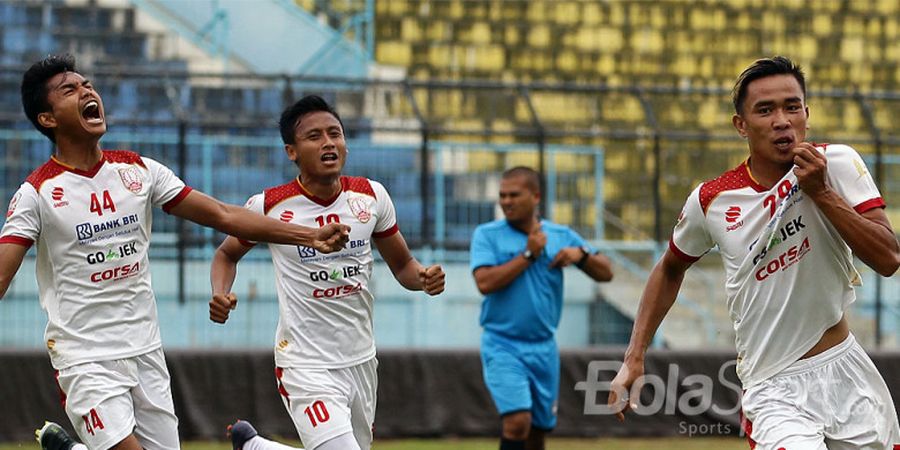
[
  {"x": 789, "y": 274},
  {"x": 324, "y": 339},
  {"x": 92, "y": 230}
]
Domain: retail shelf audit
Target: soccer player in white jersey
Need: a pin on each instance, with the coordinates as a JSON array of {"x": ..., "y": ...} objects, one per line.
[
  {"x": 787, "y": 222},
  {"x": 324, "y": 344},
  {"x": 89, "y": 212}
]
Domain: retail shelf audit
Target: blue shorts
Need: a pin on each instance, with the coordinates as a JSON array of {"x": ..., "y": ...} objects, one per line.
[{"x": 522, "y": 376}]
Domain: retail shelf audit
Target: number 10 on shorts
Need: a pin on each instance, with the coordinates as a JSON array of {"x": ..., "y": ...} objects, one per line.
[{"x": 317, "y": 413}]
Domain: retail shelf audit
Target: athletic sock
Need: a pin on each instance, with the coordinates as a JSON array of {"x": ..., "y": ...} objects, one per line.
[{"x": 261, "y": 443}]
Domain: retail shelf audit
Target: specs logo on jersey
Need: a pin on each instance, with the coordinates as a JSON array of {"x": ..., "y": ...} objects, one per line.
[
  {"x": 12, "y": 204},
  {"x": 359, "y": 206},
  {"x": 116, "y": 273},
  {"x": 335, "y": 274},
  {"x": 731, "y": 216},
  {"x": 784, "y": 260},
  {"x": 57, "y": 195},
  {"x": 337, "y": 292},
  {"x": 287, "y": 216},
  {"x": 132, "y": 179},
  {"x": 113, "y": 254}
]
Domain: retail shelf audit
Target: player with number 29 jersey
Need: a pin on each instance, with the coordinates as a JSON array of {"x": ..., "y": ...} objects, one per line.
[
  {"x": 325, "y": 303},
  {"x": 782, "y": 257},
  {"x": 92, "y": 230}
]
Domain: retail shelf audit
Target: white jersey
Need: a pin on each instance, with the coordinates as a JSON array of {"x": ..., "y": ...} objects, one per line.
[
  {"x": 789, "y": 274},
  {"x": 324, "y": 300},
  {"x": 92, "y": 230}
]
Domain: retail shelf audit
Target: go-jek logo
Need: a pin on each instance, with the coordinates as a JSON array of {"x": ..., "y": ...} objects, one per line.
[{"x": 793, "y": 227}]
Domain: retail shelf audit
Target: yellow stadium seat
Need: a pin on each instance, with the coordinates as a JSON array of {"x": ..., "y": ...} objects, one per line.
[
  {"x": 563, "y": 213},
  {"x": 522, "y": 158}
]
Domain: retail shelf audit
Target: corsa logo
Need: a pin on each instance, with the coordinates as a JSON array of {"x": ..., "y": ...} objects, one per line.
[
  {"x": 337, "y": 292},
  {"x": 784, "y": 260},
  {"x": 116, "y": 273}
]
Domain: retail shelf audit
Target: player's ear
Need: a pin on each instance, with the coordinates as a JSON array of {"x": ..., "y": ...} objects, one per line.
[
  {"x": 740, "y": 125},
  {"x": 292, "y": 152},
  {"x": 47, "y": 120}
]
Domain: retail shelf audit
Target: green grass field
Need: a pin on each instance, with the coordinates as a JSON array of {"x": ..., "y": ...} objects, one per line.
[{"x": 698, "y": 443}]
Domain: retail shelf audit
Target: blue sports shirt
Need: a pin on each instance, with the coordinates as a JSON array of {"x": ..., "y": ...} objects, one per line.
[{"x": 528, "y": 308}]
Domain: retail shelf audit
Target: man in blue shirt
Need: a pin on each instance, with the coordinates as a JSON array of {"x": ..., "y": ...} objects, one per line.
[{"x": 517, "y": 263}]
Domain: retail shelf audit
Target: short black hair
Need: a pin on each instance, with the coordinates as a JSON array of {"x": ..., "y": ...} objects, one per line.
[
  {"x": 34, "y": 87},
  {"x": 532, "y": 178},
  {"x": 292, "y": 114},
  {"x": 762, "y": 68}
]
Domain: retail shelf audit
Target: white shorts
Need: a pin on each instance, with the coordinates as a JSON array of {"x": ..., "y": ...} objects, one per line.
[
  {"x": 326, "y": 403},
  {"x": 109, "y": 400},
  {"x": 835, "y": 400}
]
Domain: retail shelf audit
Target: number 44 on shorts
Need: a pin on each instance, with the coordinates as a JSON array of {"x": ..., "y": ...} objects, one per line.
[{"x": 92, "y": 421}]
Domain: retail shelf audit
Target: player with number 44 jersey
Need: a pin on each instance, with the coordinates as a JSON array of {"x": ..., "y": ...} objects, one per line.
[
  {"x": 324, "y": 345},
  {"x": 90, "y": 212}
]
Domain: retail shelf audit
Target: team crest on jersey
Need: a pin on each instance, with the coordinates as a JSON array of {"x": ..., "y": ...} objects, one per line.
[
  {"x": 13, "y": 203},
  {"x": 131, "y": 178},
  {"x": 360, "y": 207}
]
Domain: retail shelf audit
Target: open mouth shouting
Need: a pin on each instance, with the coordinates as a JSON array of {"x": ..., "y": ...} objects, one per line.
[{"x": 91, "y": 112}]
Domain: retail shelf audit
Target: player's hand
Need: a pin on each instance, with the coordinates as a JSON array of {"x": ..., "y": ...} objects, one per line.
[
  {"x": 331, "y": 238},
  {"x": 536, "y": 240},
  {"x": 432, "y": 279},
  {"x": 620, "y": 398},
  {"x": 811, "y": 168},
  {"x": 567, "y": 256},
  {"x": 221, "y": 305}
]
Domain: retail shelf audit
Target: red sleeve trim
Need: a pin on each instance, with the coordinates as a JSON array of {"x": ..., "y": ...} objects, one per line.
[
  {"x": 178, "y": 198},
  {"x": 18, "y": 240},
  {"x": 387, "y": 233},
  {"x": 870, "y": 204},
  {"x": 246, "y": 243},
  {"x": 677, "y": 252}
]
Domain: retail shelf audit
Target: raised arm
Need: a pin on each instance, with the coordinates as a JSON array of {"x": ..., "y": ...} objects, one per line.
[
  {"x": 221, "y": 274},
  {"x": 11, "y": 256},
  {"x": 237, "y": 221},
  {"x": 659, "y": 295},
  {"x": 406, "y": 269}
]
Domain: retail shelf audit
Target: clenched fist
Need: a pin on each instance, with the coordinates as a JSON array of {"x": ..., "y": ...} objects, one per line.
[
  {"x": 432, "y": 279},
  {"x": 221, "y": 305},
  {"x": 331, "y": 238}
]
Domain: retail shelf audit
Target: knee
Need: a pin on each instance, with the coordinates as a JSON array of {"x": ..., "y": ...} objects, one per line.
[{"x": 516, "y": 426}]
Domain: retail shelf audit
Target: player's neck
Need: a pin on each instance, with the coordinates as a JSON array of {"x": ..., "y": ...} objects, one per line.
[
  {"x": 83, "y": 154},
  {"x": 525, "y": 225},
  {"x": 767, "y": 173},
  {"x": 322, "y": 187}
]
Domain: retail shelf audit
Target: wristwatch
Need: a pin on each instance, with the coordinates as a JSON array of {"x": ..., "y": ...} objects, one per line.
[
  {"x": 531, "y": 257},
  {"x": 587, "y": 254}
]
